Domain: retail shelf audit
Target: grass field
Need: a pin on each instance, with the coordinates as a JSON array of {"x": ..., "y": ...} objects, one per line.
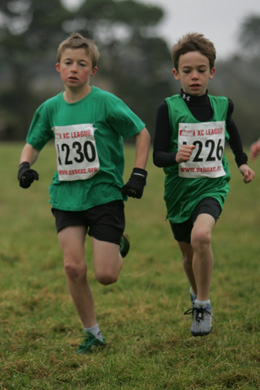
[{"x": 149, "y": 346}]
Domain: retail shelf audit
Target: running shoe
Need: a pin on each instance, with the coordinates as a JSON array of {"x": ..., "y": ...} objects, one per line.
[
  {"x": 202, "y": 319},
  {"x": 124, "y": 245},
  {"x": 89, "y": 342}
]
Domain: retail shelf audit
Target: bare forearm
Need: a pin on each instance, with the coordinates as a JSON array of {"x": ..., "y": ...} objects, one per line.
[
  {"x": 142, "y": 149},
  {"x": 29, "y": 154}
]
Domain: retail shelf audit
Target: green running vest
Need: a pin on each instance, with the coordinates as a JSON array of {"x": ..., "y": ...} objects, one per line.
[{"x": 182, "y": 194}]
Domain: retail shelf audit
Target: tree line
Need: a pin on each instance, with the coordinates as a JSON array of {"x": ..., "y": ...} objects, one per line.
[{"x": 135, "y": 64}]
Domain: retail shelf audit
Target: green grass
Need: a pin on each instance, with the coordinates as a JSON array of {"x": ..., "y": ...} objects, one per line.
[{"x": 149, "y": 346}]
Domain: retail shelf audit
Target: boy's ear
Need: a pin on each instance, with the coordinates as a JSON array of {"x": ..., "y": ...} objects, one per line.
[
  {"x": 212, "y": 72},
  {"x": 94, "y": 71},
  {"x": 58, "y": 67},
  {"x": 176, "y": 74}
]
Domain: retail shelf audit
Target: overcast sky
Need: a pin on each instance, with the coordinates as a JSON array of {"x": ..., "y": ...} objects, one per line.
[{"x": 218, "y": 20}]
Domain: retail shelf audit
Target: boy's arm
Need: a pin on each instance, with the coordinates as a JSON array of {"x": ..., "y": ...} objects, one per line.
[
  {"x": 161, "y": 155},
  {"x": 26, "y": 175},
  {"x": 240, "y": 156},
  {"x": 236, "y": 146},
  {"x": 142, "y": 148},
  {"x": 235, "y": 140},
  {"x": 29, "y": 154},
  {"x": 255, "y": 149},
  {"x": 135, "y": 185}
]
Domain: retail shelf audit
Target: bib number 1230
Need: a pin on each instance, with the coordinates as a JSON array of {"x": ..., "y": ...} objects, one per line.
[{"x": 77, "y": 156}]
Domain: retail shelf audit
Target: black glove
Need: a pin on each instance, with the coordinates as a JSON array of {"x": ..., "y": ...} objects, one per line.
[
  {"x": 135, "y": 185},
  {"x": 26, "y": 175}
]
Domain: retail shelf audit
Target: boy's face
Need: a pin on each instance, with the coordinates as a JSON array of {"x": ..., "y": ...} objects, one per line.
[
  {"x": 75, "y": 68},
  {"x": 194, "y": 73}
]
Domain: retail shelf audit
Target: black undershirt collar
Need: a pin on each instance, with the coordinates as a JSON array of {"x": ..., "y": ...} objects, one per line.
[
  {"x": 199, "y": 106},
  {"x": 190, "y": 99}
]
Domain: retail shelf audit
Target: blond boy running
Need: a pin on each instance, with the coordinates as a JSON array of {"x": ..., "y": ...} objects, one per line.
[{"x": 87, "y": 191}]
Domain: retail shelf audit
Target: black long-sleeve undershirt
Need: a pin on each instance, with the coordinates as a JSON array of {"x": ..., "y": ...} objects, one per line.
[{"x": 201, "y": 109}]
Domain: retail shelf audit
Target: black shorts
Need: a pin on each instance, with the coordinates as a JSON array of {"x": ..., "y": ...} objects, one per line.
[
  {"x": 182, "y": 231},
  {"x": 105, "y": 222}
]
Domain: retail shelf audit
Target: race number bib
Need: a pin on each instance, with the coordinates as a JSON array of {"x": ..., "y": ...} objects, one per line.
[
  {"x": 77, "y": 157},
  {"x": 206, "y": 159}
]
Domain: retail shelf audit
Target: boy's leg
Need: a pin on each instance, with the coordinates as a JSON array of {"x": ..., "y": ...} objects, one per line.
[
  {"x": 187, "y": 259},
  {"x": 202, "y": 268},
  {"x": 203, "y": 255},
  {"x": 107, "y": 261},
  {"x": 72, "y": 242},
  {"x": 107, "y": 224}
]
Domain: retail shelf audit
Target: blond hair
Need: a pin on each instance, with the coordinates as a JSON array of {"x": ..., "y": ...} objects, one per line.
[
  {"x": 77, "y": 41},
  {"x": 194, "y": 42}
]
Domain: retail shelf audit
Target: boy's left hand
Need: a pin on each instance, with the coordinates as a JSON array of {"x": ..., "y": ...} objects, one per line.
[
  {"x": 247, "y": 172},
  {"x": 135, "y": 185}
]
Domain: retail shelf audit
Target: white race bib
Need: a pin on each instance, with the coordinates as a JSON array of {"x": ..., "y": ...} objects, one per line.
[
  {"x": 77, "y": 157},
  {"x": 206, "y": 159}
]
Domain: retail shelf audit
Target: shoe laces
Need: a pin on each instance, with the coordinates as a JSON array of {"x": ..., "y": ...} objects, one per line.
[{"x": 199, "y": 312}]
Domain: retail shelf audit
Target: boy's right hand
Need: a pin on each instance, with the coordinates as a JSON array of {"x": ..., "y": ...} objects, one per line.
[
  {"x": 26, "y": 175},
  {"x": 183, "y": 155}
]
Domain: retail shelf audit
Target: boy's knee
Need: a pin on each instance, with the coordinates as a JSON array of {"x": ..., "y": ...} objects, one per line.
[
  {"x": 106, "y": 278},
  {"x": 200, "y": 238},
  {"x": 187, "y": 259},
  {"x": 75, "y": 271}
]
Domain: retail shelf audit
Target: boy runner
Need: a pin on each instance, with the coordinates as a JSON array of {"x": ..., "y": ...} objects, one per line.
[
  {"x": 87, "y": 191},
  {"x": 191, "y": 131}
]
